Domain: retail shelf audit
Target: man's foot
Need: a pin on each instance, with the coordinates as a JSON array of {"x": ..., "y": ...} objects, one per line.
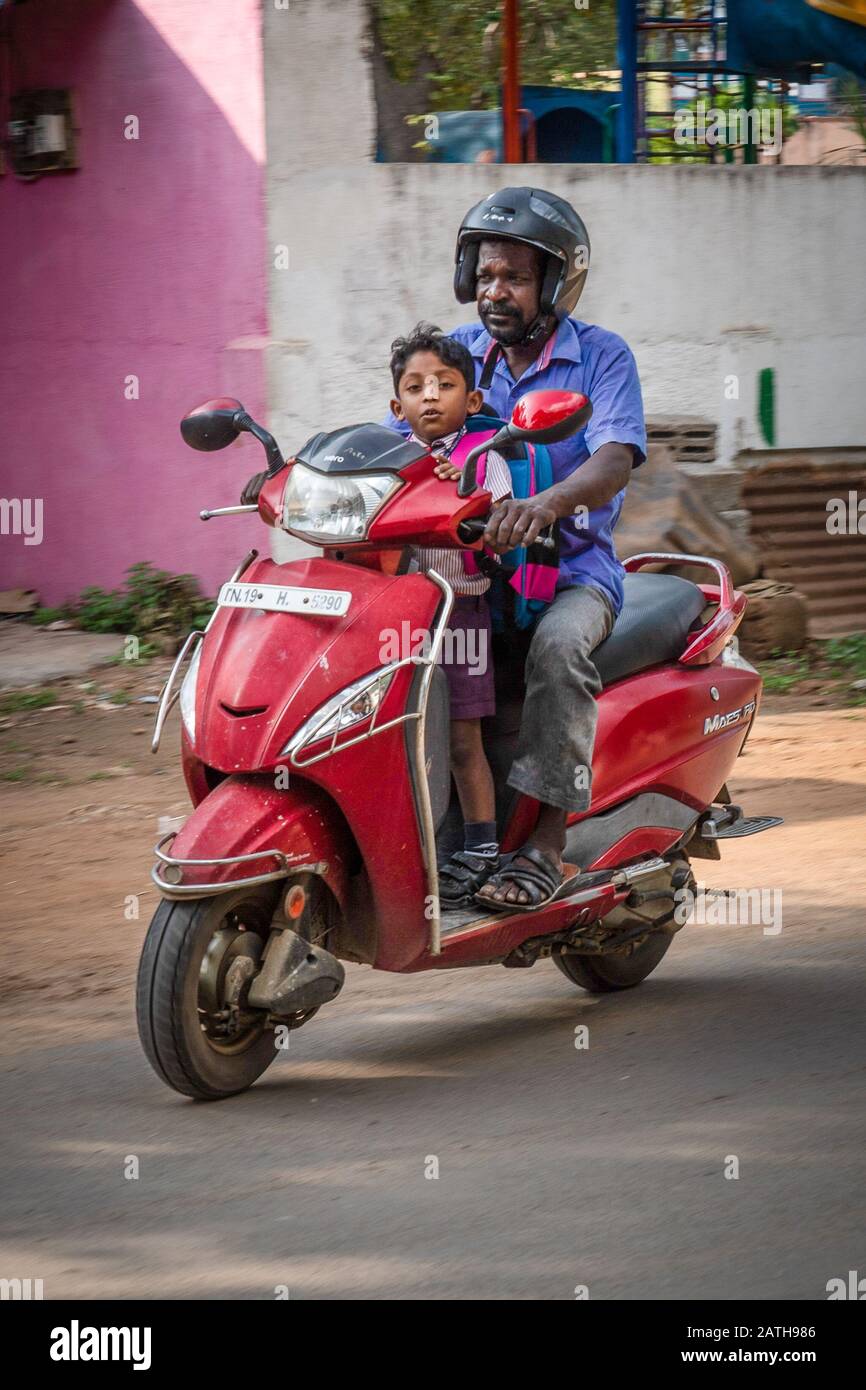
[{"x": 529, "y": 877}]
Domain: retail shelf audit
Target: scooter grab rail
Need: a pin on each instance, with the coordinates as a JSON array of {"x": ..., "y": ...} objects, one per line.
[
  {"x": 708, "y": 641},
  {"x": 726, "y": 588}
]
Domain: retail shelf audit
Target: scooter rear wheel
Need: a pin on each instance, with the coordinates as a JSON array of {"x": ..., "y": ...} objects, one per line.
[
  {"x": 197, "y": 956},
  {"x": 619, "y": 970}
]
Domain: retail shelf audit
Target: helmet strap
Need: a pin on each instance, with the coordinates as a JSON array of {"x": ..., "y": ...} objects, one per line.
[
  {"x": 538, "y": 326},
  {"x": 535, "y": 329}
]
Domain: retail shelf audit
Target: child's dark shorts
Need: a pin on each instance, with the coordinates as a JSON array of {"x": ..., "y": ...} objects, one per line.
[{"x": 467, "y": 658}]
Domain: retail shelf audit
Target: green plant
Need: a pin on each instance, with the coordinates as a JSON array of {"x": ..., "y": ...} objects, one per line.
[
  {"x": 145, "y": 651},
  {"x": 849, "y": 100},
  {"x": 15, "y": 774},
  {"x": 47, "y": 615},
  {"x": 839, "y": 659},
  {"x": 778, "y": 684},
  {"x": 152, "y": 601},
  {"x": 784, "y": 670},
  {"x": 848, "y": 651},
  {"x": 20, "y": 700}
]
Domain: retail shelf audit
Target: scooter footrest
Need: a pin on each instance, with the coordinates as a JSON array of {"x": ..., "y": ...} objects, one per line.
[{"x": 748, "y": 825}]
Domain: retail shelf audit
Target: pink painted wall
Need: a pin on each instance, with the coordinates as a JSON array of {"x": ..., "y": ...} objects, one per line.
[{"x": 148, "y": 260}]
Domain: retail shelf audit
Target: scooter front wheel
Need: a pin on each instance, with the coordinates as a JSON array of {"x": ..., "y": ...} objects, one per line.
[{"x": 198, "y": 959}]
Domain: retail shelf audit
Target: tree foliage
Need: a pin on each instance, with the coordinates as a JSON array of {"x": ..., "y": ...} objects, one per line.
[{"x": 458, "y": 43}]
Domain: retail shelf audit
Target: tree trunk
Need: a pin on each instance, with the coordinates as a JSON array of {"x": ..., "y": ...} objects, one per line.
[{"x": 395, "y": 101}]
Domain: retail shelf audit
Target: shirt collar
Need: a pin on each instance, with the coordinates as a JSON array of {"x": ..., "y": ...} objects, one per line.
[
  {"x": 563, "y": 346},
  {"x": 443, "y": 443}
]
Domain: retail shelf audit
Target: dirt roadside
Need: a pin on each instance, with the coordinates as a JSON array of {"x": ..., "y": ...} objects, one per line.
[{"x": 81, "y": 797}]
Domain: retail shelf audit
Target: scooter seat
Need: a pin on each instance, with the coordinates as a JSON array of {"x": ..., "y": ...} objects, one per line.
[{"x": 657, "y": 613}]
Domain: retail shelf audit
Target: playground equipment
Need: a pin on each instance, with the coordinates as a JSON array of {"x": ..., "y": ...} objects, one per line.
[
  {"x": 671, "y": 53},
  {"x": 699, "y": 45},
  {"x": 558, "y": 125}
]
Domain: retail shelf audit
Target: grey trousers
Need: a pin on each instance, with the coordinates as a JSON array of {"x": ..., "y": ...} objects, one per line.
[{"x": 557, "y": 732}]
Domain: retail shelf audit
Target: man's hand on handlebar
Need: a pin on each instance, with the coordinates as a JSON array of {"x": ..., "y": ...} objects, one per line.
[
  {"x": 517, "y": 521},
  {"x": 251, "y": 492}
]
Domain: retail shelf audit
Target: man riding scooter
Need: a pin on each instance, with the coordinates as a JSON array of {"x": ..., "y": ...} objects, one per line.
[
  {"x": 318, "y": 756},
  {"x": 522, "y": 255}
]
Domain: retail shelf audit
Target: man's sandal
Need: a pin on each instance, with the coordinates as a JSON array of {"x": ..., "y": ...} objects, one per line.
[
  {"x": 539, "y": 879},
  {"x": 463, "y": 874}
]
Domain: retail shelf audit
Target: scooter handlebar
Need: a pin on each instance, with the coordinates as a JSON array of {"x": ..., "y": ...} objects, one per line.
[{"x": 473, "y": 528}]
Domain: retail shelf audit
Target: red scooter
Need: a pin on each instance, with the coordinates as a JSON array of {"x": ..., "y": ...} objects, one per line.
[{"x": 319, "y": 771}]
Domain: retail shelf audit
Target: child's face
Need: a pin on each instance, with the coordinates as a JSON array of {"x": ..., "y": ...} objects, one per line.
[{"x": 433, "y": 399}]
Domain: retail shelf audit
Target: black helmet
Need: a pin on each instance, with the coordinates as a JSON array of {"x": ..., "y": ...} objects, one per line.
[{"x": 536, "y": 218}]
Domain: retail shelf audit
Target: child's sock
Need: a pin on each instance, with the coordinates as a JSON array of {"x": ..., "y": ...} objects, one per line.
[{"x": 480, "y": 838}]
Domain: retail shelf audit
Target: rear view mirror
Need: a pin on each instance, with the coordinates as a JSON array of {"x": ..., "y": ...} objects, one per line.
[
  {"x": 218, "y": 423},
  {"x": 541, "y": 417},
  {"x": 213, "y": 425},
  {"x": 546, "y": 417}
]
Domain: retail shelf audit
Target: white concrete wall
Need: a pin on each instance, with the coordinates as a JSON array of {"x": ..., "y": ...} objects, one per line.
[{"x": 683, "y": 259}]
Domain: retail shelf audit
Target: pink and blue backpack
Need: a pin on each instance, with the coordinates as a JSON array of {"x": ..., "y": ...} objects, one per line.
[{"x": 525, "y": 582}]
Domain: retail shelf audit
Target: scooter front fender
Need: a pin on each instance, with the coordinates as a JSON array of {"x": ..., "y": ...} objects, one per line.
[{"x": 249, "y": 829}]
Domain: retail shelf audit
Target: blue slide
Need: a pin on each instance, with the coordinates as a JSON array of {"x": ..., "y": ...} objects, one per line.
[{"x": 777, "y": 38}]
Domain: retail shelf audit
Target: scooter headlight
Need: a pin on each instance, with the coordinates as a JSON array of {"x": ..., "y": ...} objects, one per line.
[
  {"x": 353, "y": 705},
  {"x": 322, "y": 507},
  {"x": 187, "y": 693}
]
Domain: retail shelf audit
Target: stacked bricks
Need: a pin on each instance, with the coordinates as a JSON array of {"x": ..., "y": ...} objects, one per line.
[{"x": 690, "y": 438}]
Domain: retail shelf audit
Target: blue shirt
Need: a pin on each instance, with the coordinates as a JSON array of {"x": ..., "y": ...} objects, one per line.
[{"x": 579, "y": 357}]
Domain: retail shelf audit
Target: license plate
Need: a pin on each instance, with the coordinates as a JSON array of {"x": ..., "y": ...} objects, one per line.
[{"x": 288, "y": 598}]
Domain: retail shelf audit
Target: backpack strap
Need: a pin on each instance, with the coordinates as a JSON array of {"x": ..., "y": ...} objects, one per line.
[
  {"x": 476, "y": 562},
  {"x": 491, "y": 357}
]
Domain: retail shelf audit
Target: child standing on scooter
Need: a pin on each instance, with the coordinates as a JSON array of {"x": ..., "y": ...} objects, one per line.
[{"x": 434, "y": 384}]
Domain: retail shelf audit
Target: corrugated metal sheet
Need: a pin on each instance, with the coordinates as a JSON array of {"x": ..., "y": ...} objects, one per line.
[{"x": 789, "y": 515}]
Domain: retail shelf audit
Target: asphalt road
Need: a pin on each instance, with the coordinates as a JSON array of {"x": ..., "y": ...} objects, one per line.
[{"x": 558, "y": 1166}]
